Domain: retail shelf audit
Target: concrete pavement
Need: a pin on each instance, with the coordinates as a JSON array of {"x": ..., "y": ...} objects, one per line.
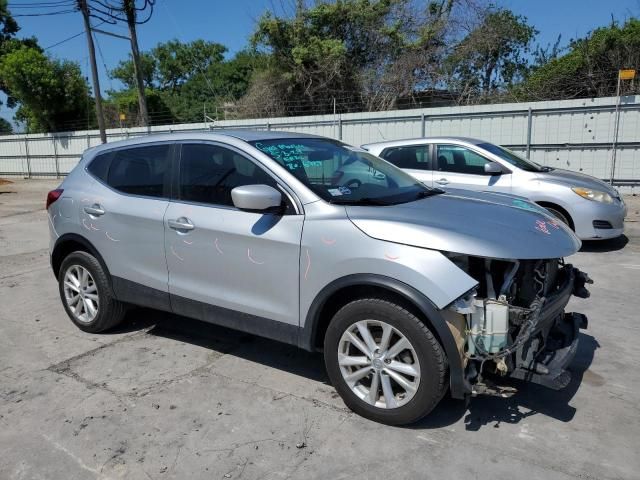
[{"x": 170, "y": 398}]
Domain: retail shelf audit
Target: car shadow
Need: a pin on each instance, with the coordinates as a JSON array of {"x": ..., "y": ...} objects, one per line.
[
  {"x": 610, "y": 245},
  {"x": 529, "y": 400},
  {"x": 261, "y": 350},
  {"x": 482, "y": 411}
]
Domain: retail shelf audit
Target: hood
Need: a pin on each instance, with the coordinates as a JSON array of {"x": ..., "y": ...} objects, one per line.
[
  {"x": 472, "y": 223},
  {"x": 576, "y": 179}
]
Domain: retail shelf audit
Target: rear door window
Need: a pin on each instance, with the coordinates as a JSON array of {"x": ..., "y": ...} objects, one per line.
[
  {"x": 140, "y": 170},
  {"x": 416, "y": 157}
]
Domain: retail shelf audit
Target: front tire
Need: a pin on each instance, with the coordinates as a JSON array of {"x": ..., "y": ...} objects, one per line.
[
  {"x": 86, "y": 294},
  {"x": 384, "y": 362},
  {"x": 559, "y": 215}
]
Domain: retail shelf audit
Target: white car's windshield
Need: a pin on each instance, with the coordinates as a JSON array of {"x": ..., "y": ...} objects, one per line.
[
  {"x": 342, "y": 174},
  {"x": 513, "y": 158}
]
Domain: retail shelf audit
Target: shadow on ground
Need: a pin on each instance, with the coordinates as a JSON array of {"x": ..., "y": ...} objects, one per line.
[
  {"x": 610, "y": 245},
  {"x": 250, "y": 347},
  {"x": 482, "y": 411},
  {"x": 528, "y": 401}
]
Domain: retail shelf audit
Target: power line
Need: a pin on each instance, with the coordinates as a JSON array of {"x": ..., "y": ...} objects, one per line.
[
  {"x": 44, "y": 14},
  {"x": 65, "y": 3},
  {"x": 64, "y": 41},
  {"x": 67, "y": 39}
]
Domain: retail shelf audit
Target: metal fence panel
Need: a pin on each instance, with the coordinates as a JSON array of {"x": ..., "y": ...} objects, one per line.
[{"x": 572, "y": 134}]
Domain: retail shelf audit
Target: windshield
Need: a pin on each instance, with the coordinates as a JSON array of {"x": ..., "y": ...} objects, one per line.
[
  {"x": 342, "y": 174},
  {"x": 513, "y": 158}
]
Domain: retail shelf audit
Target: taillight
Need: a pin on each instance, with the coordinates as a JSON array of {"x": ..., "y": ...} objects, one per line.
[{"x": 52, "y": 196}]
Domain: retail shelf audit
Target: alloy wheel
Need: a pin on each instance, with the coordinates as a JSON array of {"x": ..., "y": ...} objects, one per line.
[
  {"x": 81, "y": 293},
  {"x": 379, "y": 364}
]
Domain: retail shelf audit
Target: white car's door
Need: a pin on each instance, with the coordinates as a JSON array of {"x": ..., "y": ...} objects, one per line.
[
  {"x": 458, "y": 166},
  {"x": 229, "y": 266},
  {"x": 414, "y": 159}
]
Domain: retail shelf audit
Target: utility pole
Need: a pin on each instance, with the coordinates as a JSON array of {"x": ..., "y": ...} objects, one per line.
[
  {"x": 130, "y": 12},
  {"x": 624, "y": 74},
  {"x": 84, "y": 8}
]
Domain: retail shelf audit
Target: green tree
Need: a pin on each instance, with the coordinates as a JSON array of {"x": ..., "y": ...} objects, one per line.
[
  {"x": 126, "y": 101},
  {"x": 365, "y": 53},
  {"x": 125, "y": 72},
  {"x": 5, "y": 126},
  {"x": 590, "y": 66},
  {"x": 52, "y": 94},
  {"x": 187, "y": 78},
  {"x": 8, "y": 43},
  {"x": 493, "y": 56}
]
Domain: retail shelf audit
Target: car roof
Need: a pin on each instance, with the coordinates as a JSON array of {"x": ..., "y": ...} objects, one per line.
[
  {"x": 240, "y": 134},
  {"x": 409, "y": 141}
]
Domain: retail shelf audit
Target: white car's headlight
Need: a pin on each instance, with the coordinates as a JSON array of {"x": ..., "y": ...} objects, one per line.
[{"x": 595, "y": 195}]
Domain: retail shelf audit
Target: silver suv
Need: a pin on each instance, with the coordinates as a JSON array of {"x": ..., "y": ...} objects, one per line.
[
  {"x": 593, "y": 209},
  {"x": 407, "y": 290}
]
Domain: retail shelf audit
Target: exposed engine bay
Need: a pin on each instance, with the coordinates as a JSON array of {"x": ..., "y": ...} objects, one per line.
[{"x": 514, "y": 324}]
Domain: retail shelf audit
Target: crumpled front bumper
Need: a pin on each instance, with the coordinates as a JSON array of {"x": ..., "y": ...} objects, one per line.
[{"x": 544, "y": 359}]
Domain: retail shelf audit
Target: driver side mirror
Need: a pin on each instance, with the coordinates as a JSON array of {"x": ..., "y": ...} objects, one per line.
[
  {"x": 256, "y": 197},
  {"x": 491, "y": 168}
]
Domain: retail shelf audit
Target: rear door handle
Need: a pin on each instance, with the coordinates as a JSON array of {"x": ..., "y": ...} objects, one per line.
[
  {"x": 95, "y": 210},
  {"x": 181, "y": 223},
  {"x": 442, "y": 181}
]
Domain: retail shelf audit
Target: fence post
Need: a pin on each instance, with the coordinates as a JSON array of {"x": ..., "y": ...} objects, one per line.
[
  {"x": 268, "y": 125},
  {"x": 55, "y": 155},
  {"x": 423, "y": 125},
  {"x": 529, "y": 125},
  {"x": 340, "y": 127},
  {"x": 26, "y": 149}
]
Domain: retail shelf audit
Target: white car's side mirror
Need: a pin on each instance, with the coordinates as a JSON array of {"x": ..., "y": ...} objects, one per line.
[{"x": 491, "y": 168}]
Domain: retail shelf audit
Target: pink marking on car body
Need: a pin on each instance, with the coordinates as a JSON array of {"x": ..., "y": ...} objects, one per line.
[
  {"x": 84, "y": 224},
  {"x": 188, "y": 242},
  {"x": 173, "y": 250},
  {"x": 251, "y": 259},
  {"x": 542, "y": 227},
  {"x": 306, "y": 271},
  {"x": 94, "y": 228},
  {"x": 215, "y": 244},
  {"x": 554, "y": 223},
  {"x": 390, "y": 257},
  {"x": 110, "y": 237},
  {"x": 328, "y": 241}
]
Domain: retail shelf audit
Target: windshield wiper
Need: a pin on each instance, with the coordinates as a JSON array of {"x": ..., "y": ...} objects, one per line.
[
  {"x": 430, "y": 193},
  {"x": 359, "y": 201}
]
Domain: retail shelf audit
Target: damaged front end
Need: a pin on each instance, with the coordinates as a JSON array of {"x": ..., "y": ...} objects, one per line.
[{"x": 514, "y": 324}]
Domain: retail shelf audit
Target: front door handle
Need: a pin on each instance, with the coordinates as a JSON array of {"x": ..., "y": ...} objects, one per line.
[
  {"x": 181, "y": 223},
  {"x": 442, "y": 181},
  {"x": 96, "y": 210}
]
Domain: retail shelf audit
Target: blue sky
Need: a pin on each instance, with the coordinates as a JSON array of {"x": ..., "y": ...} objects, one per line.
[{"x": 231, "y": 23}]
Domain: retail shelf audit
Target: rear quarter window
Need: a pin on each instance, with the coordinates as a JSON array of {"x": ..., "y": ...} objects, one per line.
[{"x": 99, "y": 166}]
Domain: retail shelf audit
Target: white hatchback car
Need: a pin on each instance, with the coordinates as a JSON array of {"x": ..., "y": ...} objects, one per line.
[{"x": 592, "y": 208}]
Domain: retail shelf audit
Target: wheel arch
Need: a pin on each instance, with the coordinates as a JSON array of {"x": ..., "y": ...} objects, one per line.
[
  {"x": 343, "y": 290},
  {"x": 560, "y": 208},
  {"x": 72, "y": 242}
]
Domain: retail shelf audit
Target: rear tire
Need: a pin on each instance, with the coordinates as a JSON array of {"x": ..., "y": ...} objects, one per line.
[
  {"x": 402, "y": 374},
  {"x": 86, "y": 294}
]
